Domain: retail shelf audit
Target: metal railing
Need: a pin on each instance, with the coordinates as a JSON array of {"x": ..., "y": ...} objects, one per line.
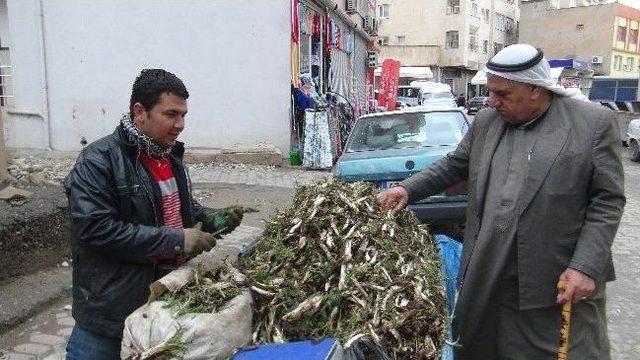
[{"x": 6, "y": 84}]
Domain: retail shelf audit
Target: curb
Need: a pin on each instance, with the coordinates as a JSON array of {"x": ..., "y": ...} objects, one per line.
[{"x": 26, "y": 295}]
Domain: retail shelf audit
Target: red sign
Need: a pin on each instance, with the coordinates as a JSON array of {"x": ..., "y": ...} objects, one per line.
[{"x": 389, "y": 84}]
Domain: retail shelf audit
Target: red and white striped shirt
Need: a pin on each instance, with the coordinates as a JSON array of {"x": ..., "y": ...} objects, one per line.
[{"x": 160, "y": 169}]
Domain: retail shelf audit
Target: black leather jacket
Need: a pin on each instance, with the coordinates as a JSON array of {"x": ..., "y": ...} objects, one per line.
[{"x": 117, "y": 232}]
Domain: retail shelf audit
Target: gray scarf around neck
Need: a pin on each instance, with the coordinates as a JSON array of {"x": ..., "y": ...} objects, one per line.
[{"x": 143, "y": 141}]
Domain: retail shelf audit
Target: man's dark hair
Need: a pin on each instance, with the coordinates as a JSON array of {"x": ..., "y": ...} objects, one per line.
[{"x": 151, "y": 84}]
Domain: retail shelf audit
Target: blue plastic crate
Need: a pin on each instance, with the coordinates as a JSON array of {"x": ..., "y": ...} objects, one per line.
[{"x": 326, "y": 349}]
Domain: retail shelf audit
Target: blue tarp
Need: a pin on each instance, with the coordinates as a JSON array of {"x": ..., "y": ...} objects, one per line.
[
  {"x": 450, "y": 253},
  {"x": 299, "y": 350}
]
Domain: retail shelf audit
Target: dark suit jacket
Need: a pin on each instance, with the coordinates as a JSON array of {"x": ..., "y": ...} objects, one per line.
[{"x": 568, "y": 211}]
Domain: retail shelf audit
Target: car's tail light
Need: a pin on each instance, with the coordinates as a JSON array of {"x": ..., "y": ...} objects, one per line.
[{"x": 457, "y": 189}]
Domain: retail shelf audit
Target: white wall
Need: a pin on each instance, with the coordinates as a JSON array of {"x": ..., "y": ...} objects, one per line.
[
  {"x": 233, "y": 56},
  {"x": 25, "y": 124},
  {"x": 4, "y": 24}
]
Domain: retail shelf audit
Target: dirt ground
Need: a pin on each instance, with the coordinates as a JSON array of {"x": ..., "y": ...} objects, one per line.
[{"x": 34, "y": 235}]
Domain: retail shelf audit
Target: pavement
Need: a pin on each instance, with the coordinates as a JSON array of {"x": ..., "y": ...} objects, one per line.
[
  {"x": 44, "y": 335},
  {"x": 38, "y": 305}
]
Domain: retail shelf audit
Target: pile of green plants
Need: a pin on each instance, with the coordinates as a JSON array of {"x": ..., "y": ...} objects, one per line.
[
  {"x": 335, "y": 265},
  {"x": 208, "y": 293}
]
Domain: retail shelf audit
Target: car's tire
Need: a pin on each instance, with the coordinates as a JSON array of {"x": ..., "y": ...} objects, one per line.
[{"x": 634, "y": 150}]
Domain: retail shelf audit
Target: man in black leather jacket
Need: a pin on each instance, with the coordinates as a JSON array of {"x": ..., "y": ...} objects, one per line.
[{"x": 132, "y": 215}]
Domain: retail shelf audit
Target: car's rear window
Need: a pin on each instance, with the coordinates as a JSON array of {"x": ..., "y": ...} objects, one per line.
[
  {"x": 438, "y": 95},
  {"x": 408, "y": 92},
  {"x": 408, "y": 130}
]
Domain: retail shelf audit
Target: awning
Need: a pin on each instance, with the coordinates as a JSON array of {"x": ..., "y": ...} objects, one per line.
[
  {"x": 480, "y": 78},
  {"x": 414, "y": 72}
]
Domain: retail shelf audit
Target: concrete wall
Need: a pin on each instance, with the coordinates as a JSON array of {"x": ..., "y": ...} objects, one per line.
[
  {"x": 412, "y": 55},
  {"x": 558, "y": 33},
  {"x": 233, "y": 56},
  {"x": 3, "y": 153},
  {"x": 26, "y": 122},
  {"x": 4, "y": 24}
]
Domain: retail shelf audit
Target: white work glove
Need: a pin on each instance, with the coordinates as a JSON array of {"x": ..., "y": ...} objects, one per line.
[{"x": 197, "y": 241}]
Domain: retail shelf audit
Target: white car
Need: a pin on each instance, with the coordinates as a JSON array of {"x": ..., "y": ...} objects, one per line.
[{"x": 633, "y": 134}]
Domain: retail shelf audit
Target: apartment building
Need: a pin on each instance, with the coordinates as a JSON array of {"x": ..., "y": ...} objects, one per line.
[
  {"x": 602, "y": 33},
  {"x": 453, "y": 38}
]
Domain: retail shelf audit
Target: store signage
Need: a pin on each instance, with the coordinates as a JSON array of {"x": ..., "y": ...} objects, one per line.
[{"x": 389, "y": 84}]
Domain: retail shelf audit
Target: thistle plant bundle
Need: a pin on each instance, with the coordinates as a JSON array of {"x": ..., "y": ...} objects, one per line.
[
  {"x": 208, "y": 293},
  {"x": 334, "y": 264}
]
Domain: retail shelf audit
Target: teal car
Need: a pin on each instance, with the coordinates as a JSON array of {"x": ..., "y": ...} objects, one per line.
[{"x": 386, "y": 148}]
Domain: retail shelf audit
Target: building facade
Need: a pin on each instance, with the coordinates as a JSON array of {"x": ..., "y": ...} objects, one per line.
[
  {"x": 72, "y": 65},
  {"x": 455, "y": 38},
  {"x": 604, "y": 34}
]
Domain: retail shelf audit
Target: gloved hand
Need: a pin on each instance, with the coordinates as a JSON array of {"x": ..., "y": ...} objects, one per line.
[
  {"x": 196, "y": 241},
  {"x": 223, "y": 221}
]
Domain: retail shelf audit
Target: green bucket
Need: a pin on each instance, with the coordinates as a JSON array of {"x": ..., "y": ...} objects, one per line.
[{"x": 294, "y": 158}]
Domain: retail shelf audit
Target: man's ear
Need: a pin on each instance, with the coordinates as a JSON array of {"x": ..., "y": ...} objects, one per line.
[
  {"x": 536, "y": 92},
  {"x": 139, "y": 114}
]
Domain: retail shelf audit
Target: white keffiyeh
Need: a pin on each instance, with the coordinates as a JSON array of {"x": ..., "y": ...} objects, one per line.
[{"x": 538, "y": 74}]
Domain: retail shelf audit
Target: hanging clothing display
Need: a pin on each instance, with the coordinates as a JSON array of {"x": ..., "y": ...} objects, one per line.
[
  {"x": 359, "y": 55},
  {"x": 340, "y": 70},
  {"x": 317, "y": 140}
]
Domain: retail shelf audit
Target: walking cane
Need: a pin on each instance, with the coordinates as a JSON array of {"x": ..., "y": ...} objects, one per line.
[{"x": 564, "y": 325}]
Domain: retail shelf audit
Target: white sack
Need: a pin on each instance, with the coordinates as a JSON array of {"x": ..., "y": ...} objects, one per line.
[{"x": 207, "y": 336}]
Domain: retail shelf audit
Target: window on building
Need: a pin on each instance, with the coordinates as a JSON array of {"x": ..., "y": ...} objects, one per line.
[
  {"x": 473, "y": 38},
  {"x": 622, "y": 33},
  {"x": 633, "y": 37},
  {"x": 400, "y": 40},
  {"x": 617, "y": 62},
  {"x": 383, "y": 40},
  {"x": 629, "y": 66},
  {"x": 453, "y": 7},
  {"x": 474, "y": 10},
  {"x": 573, "y": 3},
  {"x": 554, "y": 4},
  {"x": 452, "y": 40},
  {"x": 485, "y": 46},
  {"x": 500, "y": 21},
  {"x": 485, "y": 15},
  {"x": 496, "y": 47},
  {"x": 383, "y": 11}
]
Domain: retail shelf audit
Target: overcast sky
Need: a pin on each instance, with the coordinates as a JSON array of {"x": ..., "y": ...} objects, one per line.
[{"x": 633, "y": 3}]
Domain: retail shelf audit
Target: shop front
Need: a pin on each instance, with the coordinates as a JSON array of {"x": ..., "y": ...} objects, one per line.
[{"x": 329, "y": 80}]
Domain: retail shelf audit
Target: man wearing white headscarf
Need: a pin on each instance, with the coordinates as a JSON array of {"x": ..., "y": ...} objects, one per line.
[{"x": 545, "y": 200}]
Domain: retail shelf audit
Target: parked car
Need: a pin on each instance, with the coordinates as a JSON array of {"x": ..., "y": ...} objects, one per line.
[
  {"x": 386, "y": 148},
  {"x": 440, "y": 102},
  {"x": 477, "y": 103},
  {"x": 409, "y": 96},
  {"x": 633, "y": 134}
]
